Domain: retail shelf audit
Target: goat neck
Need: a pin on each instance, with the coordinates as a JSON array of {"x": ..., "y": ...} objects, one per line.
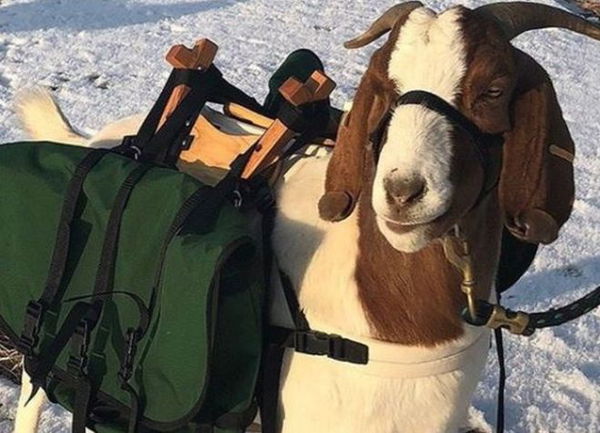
[{"x": 415, "y": 298}]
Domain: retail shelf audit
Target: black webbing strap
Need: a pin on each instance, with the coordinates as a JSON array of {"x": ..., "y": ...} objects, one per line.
[
  {"x": 318, "y": 343},
  {"x": 102, "y": 291},
  {"x": 293, "y": 117},
  {"x": 167, "y": 142},
  {"x": 310, "y": 120},
  {"x": 61, "y": 246},
  {"x": 36, "y": 309},
  {"x": 302, "y": 340},
  {"x": 443, "y": 108},
  {"x": 269, "y": 386},
  {"x": 150, "y": 124},
  {"x": 272, "y": 356},
  {"x": 82, "y": 399},
  {"x": 305, "y": 340},
  {"x": 291, "y": 299},
  {"x": 106, "y": 268},
  {"x": 164, "y": 145},
  {"x": 227, "y": 92}
]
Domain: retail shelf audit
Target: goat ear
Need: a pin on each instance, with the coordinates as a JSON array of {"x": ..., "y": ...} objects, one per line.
[
  {"x": 345, "y": 172},
  {"x": 536, "y": 186}
]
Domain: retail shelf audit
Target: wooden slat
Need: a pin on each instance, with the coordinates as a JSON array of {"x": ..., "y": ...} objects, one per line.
[
  {"x": 214, "y": 147},
  {"x": 247, "y": 115}
]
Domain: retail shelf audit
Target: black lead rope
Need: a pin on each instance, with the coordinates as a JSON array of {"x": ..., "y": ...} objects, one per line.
[
  {"x": 550, "y": 318},
  {"x": 501, "y": 376},
  {"x": 486, "y": 313},
  {"x": 501, "y": 380}
]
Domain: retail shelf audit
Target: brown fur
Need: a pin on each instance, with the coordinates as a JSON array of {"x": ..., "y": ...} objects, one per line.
[
  {"x": 536, "y": 187},
  {"x": 345, "y": 173}
]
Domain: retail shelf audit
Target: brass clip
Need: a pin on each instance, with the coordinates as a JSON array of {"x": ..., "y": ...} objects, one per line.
[
  {"x": 468, "y": 289},
  {"x": 458, "y": 253},
  {"x": 515, "y": 321}
]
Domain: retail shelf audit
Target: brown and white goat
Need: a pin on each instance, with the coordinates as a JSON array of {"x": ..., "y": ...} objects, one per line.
[{"x": 379, "y": 273}]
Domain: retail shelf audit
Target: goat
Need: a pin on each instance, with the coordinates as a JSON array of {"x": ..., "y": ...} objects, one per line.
[{"x": 359, "y": 232}]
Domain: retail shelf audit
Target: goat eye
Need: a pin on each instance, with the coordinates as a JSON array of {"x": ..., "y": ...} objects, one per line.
[{"x": 494, "y": 92}]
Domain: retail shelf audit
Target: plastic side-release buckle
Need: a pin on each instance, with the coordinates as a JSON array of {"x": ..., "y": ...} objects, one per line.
[
  {"x": 333, "y": 346},
  {"x": 80, "y": 340},
  {"x": 32, "y": 324},
  {"x": 133, "y": 336}
]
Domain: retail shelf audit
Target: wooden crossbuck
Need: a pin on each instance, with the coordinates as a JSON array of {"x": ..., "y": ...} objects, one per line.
[
  {"x": 317, "y": 88},
  {"x": 201, "y": 56},
  {"x": 216, "y": 148}
]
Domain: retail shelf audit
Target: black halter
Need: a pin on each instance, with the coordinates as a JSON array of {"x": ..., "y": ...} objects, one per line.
[{"x": 483, "y": 142}]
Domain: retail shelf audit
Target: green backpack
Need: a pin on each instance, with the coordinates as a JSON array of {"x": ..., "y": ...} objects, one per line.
[
  {"x": 137, "y": 293},
  {"x": 134, "y": 291}
]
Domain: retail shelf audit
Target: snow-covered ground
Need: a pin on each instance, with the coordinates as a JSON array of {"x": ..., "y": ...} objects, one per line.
[{"x": 104, "y": 58}]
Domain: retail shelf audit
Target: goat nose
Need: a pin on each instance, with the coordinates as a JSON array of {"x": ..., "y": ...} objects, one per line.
[{"x": 403, "y": 192}]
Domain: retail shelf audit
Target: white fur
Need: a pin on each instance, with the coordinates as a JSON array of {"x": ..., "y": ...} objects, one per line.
[
  {"x": 429, "y": 55},
  {"x": 42, "y": 118},
  {"x": 28, "y": 411},
  {"x": 320, "y": 395},
  {"x": 317, "y": 394}
]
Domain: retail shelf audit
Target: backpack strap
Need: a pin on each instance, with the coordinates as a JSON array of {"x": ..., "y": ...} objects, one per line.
[
  {"x": 36, "y": 309},
  {"x": 102, "y": 292},
  {"x": 83, "y": 317},
  {"x": 163, "y": 144}
]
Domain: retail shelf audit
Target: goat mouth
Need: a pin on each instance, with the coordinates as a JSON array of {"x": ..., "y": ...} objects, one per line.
[{"x": 407, "y": 225}]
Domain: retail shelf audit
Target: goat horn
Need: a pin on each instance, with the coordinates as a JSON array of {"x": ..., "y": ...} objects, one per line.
[
  {"x": 384, "y": 24},
  {"x": 519, "y": 17}
]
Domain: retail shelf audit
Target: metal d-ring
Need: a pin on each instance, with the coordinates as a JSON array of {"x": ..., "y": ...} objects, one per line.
[{"x": 238, "y": 200}]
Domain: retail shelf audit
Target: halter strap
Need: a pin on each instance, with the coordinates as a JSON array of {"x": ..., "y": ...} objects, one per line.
[
  {"x": 483, "y": 141},
  {"x": 453, "y": 115}
]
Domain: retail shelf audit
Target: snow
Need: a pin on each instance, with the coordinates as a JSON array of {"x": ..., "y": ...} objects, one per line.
[{"x": 104, "y": 59}]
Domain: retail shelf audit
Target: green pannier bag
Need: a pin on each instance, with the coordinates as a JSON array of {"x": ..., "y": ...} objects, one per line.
[
  {"x": 135, "y": 291},
  {"x": 149, "y": 296}
]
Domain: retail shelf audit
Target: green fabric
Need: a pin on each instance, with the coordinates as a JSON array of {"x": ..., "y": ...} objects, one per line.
[{"x": 200, "y": 356}]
